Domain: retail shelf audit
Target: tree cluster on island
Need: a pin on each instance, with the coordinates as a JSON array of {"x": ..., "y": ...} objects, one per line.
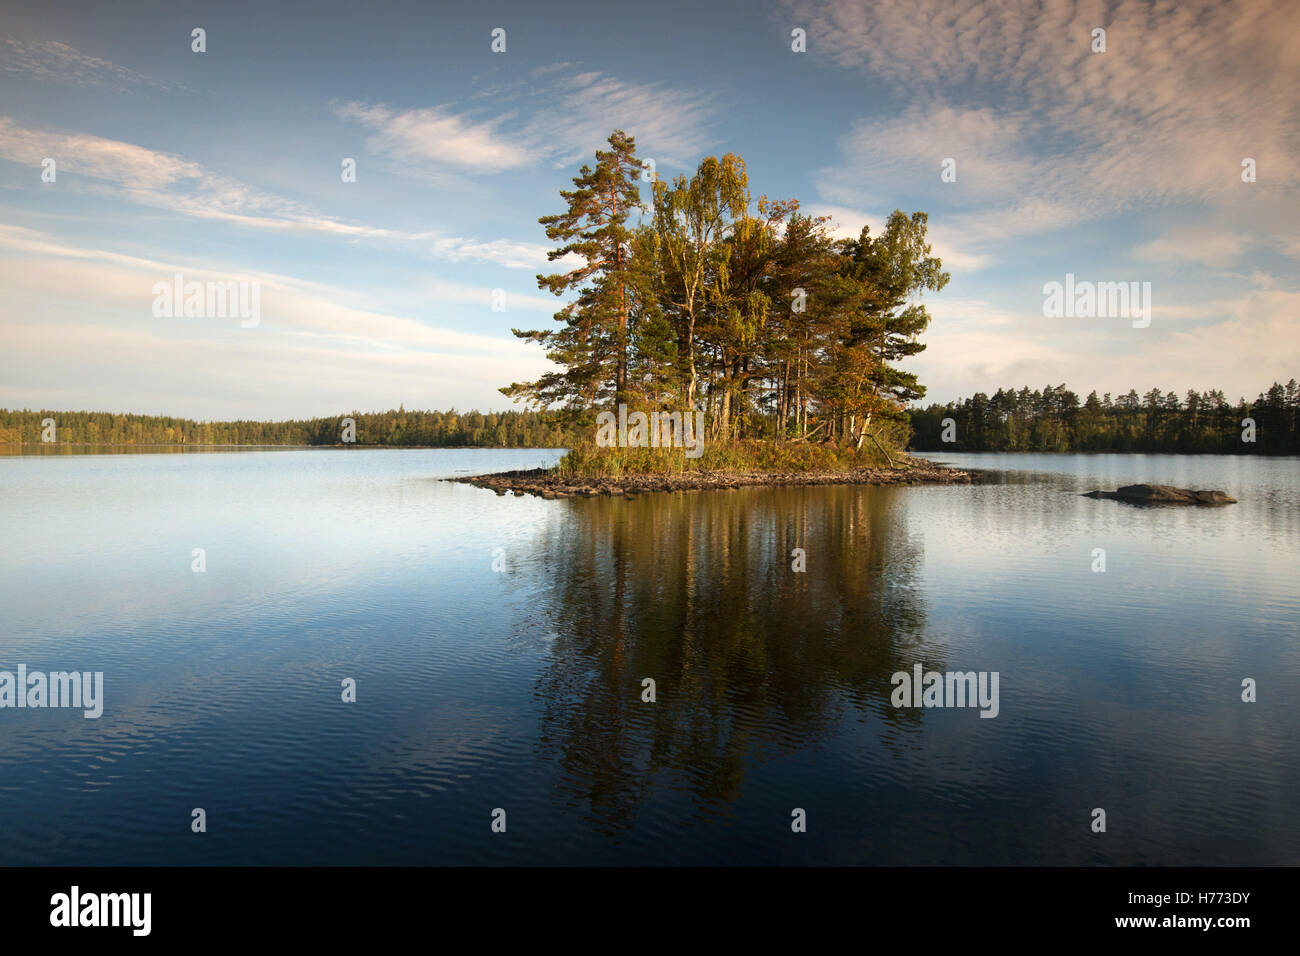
[{"x": 748, "y": 310}]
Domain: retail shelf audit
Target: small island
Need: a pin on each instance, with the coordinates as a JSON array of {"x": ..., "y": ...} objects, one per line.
[
  {"x": 724, "y": 341},
  {"x": 560, "y": 483}
]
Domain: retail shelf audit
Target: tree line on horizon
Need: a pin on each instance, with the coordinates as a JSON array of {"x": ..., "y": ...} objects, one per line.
[
  {"x": 1051, "y": 419},
  {"x": 748, "y": 310},
  {"x": 1054, "y": 419},
  {"x": 396, "y": 427}
]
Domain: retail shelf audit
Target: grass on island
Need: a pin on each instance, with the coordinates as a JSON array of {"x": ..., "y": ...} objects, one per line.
[{"x": 590, "y": 461}]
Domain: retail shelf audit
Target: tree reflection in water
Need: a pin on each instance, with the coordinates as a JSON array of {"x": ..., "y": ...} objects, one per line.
[{"x": 749, "y": 657}]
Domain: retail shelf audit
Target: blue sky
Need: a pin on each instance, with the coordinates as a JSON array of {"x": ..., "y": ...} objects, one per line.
[{"x": 1115, "y": 166}]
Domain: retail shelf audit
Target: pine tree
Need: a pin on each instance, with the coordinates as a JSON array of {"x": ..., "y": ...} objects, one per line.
[
  {"x": 883, "y": 327},
  {"x": 593, "y": 344}
]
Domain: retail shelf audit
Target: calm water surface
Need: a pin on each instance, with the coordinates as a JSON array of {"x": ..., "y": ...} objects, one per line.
[{"x": 521, "y": 688}]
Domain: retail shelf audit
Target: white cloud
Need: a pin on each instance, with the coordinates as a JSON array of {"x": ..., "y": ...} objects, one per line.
[
  {"x": 164, "y": 180},
  {"x": 439, "y": 136}
]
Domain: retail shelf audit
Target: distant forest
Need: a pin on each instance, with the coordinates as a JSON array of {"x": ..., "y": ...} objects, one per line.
[
  {"x": 450, "y": 429},
  {"x": 1052, "y": 419},
  {"x": 1055, "y": 420}
]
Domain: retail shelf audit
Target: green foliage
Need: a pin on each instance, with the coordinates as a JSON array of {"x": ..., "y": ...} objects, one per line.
[
  {"x": 748, "y": 311},
  {"x": 885, "y": 323},
  {"x": 592, "y": 344}
]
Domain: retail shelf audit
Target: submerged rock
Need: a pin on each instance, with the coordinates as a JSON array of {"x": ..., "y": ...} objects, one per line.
[{"x": 1164, "y": 495}]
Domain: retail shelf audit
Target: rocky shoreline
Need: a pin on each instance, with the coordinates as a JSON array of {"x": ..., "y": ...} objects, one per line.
[{"x": 546, "y": 483}]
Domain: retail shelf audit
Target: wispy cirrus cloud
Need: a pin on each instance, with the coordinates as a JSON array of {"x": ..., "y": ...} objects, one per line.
[
  {"x": 567, "y": 121},
  {"x": 672, "y": 125},
  {"x": 52, "y": 61},
  {"x": 439, "y": 136},
  {"x": 168, "y": 181},
  {"x": 164, "y": 180}
]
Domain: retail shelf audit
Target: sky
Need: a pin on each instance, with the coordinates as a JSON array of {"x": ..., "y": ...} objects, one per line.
[{"x": 226, "y": 165}]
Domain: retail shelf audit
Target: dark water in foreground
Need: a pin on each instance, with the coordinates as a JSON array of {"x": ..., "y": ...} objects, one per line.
[{"x": 521, "y": 688}]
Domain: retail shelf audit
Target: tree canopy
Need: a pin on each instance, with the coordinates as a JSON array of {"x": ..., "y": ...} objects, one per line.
[{"x": 744, "y": 308}]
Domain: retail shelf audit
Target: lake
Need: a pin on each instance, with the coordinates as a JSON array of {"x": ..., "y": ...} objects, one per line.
[{"x": 499, "y": 647}]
